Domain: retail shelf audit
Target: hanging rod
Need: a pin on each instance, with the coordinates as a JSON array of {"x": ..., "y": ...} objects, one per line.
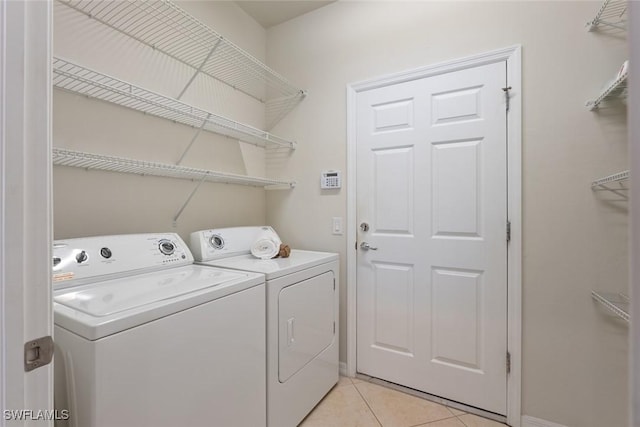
[
  {"x": 618, "y": 304},
  {"x": 616, "y": 177},
  {"x": 79, "y": 159},
  {"x": 84, "y": 81},
  {"x": 167, "y": 28},
  {"x": 616, "y": 88},
  {"x": 611, "y": 14}
]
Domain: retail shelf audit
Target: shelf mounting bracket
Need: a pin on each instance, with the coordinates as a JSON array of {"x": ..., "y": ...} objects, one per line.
[
  {"x": 199, "y": 69},
  {"x": 195, "y": 136},
  {"x": 186, "y": 202}
]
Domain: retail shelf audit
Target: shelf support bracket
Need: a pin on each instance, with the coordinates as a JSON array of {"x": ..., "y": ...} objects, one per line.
[
  {"x": 186, "y": 202},
  {"x": 199, "y": 69},
  {"x": 195, "y": 136}
]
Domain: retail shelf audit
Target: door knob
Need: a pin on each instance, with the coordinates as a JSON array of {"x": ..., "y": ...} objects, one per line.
[
  {"x": 365, "y": 246},
  {"x": 364, "y": 226}
]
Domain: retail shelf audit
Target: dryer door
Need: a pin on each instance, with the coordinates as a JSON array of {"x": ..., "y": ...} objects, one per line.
[{"x": 306, "y": 322}]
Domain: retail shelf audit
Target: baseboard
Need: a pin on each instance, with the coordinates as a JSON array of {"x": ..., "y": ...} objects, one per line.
[
  {"x": 528, "y": 421},
  {"x": 343, "y": 369}
]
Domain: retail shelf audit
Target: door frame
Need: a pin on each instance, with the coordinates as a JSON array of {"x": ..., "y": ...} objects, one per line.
[
  {"x": 26, "y": 310},
  {"x": 513, "y": 57}
]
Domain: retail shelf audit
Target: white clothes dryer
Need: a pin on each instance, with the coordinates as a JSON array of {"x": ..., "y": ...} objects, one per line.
[
  {"x": 302, "y": 317},
  {"x": 144, "y": 338}
]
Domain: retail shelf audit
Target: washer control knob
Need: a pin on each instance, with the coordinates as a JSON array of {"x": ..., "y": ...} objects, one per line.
[
  {"x": 81, "y": 257},
  {"x": 106, "y": 253},
  {"x": 166, "y": 247}
]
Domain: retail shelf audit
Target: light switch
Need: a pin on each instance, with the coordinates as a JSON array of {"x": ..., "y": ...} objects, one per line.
[{"x": 336, "y": 225}]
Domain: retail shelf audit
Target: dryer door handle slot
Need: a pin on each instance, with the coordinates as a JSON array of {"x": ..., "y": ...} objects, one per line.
[{"x": 290, "y": 332}]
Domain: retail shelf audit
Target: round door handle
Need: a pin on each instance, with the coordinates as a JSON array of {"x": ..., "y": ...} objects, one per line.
[{"x": 365, "y": 246}]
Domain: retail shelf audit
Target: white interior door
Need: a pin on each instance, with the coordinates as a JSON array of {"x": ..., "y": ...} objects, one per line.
[
  {"x": 432, "y": 188},
  {"x": 25, "y": 209}
]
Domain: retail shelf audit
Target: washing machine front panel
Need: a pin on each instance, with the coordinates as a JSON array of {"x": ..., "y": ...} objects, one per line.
[{"x": 306, "y": 316}]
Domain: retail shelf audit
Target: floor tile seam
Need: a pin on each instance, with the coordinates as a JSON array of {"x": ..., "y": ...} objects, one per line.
[
  {"x": 434, "y": 421},
  {"x": 409, "y": 395},
  {"x": 368, "y": 405},
  {"x": 461, "y": 420}
]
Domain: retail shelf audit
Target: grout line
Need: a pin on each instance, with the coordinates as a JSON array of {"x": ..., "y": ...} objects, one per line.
[
  {"x": 368, "y": 406},
  {"x": 463, "y": 423}
]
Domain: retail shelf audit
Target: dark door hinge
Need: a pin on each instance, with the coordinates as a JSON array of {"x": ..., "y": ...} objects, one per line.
[
  {"x": 508, "y": 231},
  {"x": 506, "y": 95},
  {"x": 508, "y": 362}
]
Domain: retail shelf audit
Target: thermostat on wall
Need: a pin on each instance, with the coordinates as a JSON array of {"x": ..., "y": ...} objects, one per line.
[{"x": 330, "y": 180}]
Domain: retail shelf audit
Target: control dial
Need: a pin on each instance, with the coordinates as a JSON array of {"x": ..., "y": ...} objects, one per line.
[
  {"x": 166, "y": 247},
  {"x": 217, "y": 241},
  {"x": 106, "y": 253},
  {"x": 82, "y": 257}
]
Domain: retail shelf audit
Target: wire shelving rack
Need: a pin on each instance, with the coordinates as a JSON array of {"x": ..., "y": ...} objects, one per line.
[
  {"x": 84, "y": 81},
  {"x": 616, "y": 303},
  {"x": 167, "y": 28},
  {"x": 80, "y": 159},
  {"x": 612, "y": 14},
  {"x": 618, "y": 88}
]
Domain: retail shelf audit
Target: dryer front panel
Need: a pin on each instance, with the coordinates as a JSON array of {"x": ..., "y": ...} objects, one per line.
[{"x": 306, "y": 319}]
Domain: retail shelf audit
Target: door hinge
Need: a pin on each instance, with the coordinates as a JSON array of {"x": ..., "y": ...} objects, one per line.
[
  {"x": 508, "y": 231},
  {"x": 508, "y": 362},
  {"x": 334, "y": 284},
  {"x": 38, "y": 353},
  {"x": 506, "y": 95},
  {"x": 334, "y": 328}
]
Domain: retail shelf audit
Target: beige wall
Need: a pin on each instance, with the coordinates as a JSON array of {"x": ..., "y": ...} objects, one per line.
[
  {"x": 94, "y": 202},
  {"x": 574, "y": 361}
]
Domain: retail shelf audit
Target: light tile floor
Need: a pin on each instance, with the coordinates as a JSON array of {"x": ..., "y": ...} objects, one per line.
[{"x": 356, "y": 403}]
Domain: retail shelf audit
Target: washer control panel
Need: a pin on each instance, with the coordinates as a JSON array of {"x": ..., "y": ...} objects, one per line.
[{"x": 82, "y": 260}]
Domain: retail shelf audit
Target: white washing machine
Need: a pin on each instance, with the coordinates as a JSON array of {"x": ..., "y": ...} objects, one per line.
[
  {"x": 144, "y": 338},
  {"x": 302, "y": 318}
]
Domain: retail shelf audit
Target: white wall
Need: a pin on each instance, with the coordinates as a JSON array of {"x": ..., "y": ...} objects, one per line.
[
  {"x": 574, "y": 363},
  {"x": 94, "y": 202}
]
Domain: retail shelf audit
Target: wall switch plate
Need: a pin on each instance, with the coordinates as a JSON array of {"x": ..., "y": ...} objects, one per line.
[{"x": 336, "y": 225}]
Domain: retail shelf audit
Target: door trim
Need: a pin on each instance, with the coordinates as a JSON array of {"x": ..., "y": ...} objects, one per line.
[
  {"x": 513, "y": 56},
  {"x": 26, "y": 310}
]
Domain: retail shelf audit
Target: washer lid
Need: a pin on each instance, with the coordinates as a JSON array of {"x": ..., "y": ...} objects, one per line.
[
  {"x": 103, "y": 308},
  {"x": 298, "y": 260}
]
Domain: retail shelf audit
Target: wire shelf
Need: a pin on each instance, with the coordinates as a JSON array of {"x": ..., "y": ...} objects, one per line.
[
  {"x": 616, "y": 177},
  {"x": 165, "y": 27},
  {"x": 617, "y": 304},
  {"x": 63, "y": 157},
  {"x": 80, "y": 80},
  {"x": 611, "y": 14},
  {"x": 616, "y": 89}
]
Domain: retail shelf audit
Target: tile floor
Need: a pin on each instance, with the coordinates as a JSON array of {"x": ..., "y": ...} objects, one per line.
[{"x": 357, "y": 403}]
